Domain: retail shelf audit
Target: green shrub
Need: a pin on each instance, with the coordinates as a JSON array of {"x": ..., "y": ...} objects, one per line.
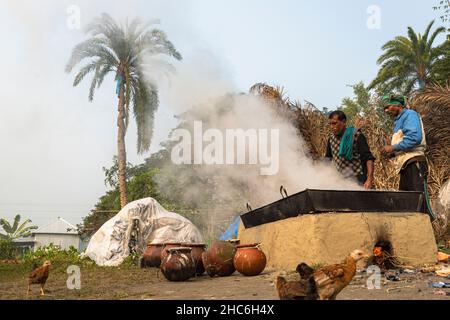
[
  {"x": 7, "y": 249},
  {"x": 131, "y": 261},
  {"x": 58, "y": 257}
]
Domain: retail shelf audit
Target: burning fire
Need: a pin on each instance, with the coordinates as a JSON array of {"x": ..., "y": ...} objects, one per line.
[{"x": 377, "y": 251}]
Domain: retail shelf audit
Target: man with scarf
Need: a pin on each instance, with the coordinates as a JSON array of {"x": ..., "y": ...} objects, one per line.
[
  {"x": 408, "y": 143},
  {"x": 348, "y": 149}
]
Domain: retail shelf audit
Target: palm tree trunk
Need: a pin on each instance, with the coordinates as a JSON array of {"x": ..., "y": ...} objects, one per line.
[
  {"x": 121, "y": 153},
  {"x": 421, "y": 77}
]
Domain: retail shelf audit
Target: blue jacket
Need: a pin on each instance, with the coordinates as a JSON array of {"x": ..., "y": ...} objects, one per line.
[{"x": 409, "y": 122}]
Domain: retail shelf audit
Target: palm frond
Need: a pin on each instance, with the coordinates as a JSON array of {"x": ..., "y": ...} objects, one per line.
[
  {"x": 155, "y": 42},
  {"x": 24, "y": 227},
  {"x": 90, "y": 48},
  {"x": 6, "y": 226},
  {"x": 16, "y": 222},
  {"x": 434, "y": 35},
  {"x": 413, "y": 37},
  {"x": 106, "y": 68},
  {"x": 94, "y": 82},
  {"x": 145, "y": 105},
  {"x": 427, "y": 31},
  {"x": 83, "y": 72}
]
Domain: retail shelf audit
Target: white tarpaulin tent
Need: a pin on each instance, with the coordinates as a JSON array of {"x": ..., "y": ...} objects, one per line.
[{"x": 109, "y": 245}]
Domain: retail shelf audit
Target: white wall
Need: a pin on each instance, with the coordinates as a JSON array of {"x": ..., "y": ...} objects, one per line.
[{"x": 62, "y": 240}]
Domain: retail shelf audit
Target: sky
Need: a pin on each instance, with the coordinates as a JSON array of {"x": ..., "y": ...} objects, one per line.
[{"x": 55, "y": 142}]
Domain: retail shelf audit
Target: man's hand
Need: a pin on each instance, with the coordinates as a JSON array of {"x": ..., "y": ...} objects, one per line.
[
  {"x": 388, "y": 150},
  {"x": 368, "y": 184}
]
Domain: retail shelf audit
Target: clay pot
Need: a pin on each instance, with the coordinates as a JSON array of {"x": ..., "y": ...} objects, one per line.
[
  {"x": 168, "y": 245},
  {"x": 152, "y": 255},
  {"x": 249, "y": 259},
  {"x": 196, "y": 253},
  {"x": 218, "y": 259},
  {"x": 178, "y": 265}
]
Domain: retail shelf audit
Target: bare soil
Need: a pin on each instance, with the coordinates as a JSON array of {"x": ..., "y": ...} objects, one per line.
[{"x": 135, "y": 283}]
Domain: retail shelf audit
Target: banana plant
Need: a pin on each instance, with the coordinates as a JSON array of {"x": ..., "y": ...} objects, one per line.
[{"x": 15, "y": 230}]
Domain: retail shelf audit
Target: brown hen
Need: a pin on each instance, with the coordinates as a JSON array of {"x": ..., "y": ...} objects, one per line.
[
  {"x": 304, "y": 289},
  {"x": 330, "y": 280},
  {"x": 39, "y": 276}
]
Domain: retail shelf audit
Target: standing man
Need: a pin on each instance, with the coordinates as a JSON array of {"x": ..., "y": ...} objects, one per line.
[
  {"x": 348, "y": 149},
  {"x": 408, "y": 143}
]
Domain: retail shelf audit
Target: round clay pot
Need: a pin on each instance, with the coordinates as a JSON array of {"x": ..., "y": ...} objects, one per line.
[
  {"x": 168, "y": 245},
  {"x": 178, "y": 265},
  {"x": 249, "y": 259},
  {"x": 218, "y": 259},
  {"x": 152, "y": 255},
  {"x": 196, "y": 253}
]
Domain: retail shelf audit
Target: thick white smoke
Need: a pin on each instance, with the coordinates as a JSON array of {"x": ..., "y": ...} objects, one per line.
[{"x": 202, "y": 95}]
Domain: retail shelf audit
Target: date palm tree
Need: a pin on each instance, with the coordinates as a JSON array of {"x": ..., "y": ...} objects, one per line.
[
  {"x": 411, "y": 62},
  {"x": 127, "y": 52},
  {"x": 15, "y": 230}
]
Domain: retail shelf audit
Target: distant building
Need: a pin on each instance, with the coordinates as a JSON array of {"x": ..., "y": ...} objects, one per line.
[
  {"x": 25, "y": 243},
  {"x": 59, "y": 233}
]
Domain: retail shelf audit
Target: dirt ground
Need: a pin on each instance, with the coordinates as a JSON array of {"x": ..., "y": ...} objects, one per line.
[{"x": 134, "y": 283}]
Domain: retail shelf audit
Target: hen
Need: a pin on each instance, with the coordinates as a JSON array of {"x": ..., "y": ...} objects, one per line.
[
  {"x": 330, "y": 280},
  {"x": 304, "y": 289},
  {"x": 39, "y": 276}
]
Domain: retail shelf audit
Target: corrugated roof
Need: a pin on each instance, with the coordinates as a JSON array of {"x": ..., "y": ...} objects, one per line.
[{"x": 59, "y": 226}]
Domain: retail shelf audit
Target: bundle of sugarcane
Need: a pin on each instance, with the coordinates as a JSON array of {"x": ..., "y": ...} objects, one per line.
[
  {"x": 312, "y": 124},
  {"x": 276, "y": 97},
  {"x": 433, "y": 103},
  {"x": 268, "y": 92},
  {"x": 385, "y": 177}
]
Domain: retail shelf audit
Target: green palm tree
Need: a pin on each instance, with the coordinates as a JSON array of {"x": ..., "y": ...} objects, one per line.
[
  {"x": 126, "y": 51},
  {"x": 410, "y": 63},
  {"x": 16, "y": 231}
]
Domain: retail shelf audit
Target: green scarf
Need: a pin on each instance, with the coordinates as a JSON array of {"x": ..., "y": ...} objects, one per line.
[
  {"x": 392, "y": 99},
  {"x": 346, "y": 146}
]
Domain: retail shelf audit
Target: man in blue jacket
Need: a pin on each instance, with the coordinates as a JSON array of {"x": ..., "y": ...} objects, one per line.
[{"x": 408, "y": 143}]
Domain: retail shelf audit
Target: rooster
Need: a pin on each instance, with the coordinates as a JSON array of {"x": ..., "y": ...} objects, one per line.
[
  {"x": 330, "y": 280},
  {"x": 304, "y": 289},
  {"x": 39, "y": 276}
]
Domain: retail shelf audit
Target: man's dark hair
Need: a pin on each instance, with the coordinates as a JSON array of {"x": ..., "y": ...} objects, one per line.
[{"x": 340, "y": 115}]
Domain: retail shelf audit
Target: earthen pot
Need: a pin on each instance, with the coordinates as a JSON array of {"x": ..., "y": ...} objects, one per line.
[
  {"x": 249, "y": 259},
  {"x": 196, "y": 253},
  {"x": 178, "y": 265},
  {"x": 168, "y": 245},
  {"x": 152, "y": 255},
  {"x": 218, "y": 259}
]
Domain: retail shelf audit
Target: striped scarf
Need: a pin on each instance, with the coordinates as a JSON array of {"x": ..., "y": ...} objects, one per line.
[{"x": 348, "y": 168}]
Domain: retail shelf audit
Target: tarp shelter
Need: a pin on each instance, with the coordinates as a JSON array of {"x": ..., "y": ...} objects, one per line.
[
  {"x": 232, "y": 231},
  {"x": 109, "y": 245}
]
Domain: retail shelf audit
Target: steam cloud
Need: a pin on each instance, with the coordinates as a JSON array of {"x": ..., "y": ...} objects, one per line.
[{"x": 204, "y": 95}]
